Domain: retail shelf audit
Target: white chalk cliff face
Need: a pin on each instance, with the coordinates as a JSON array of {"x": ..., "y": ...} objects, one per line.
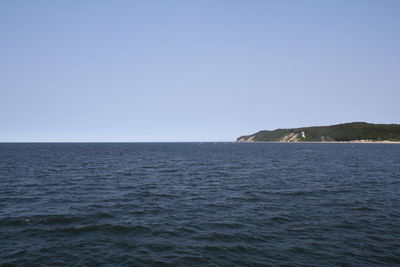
[
  {"x": 292, "y": 137},
  {"x": 249, "y": 138}
]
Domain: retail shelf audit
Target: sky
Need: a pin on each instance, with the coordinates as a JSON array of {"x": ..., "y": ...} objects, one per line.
[{"x": 167, "y": 71}]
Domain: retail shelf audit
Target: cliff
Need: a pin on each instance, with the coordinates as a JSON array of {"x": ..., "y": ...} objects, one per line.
[{"x": 355, "y": 131}]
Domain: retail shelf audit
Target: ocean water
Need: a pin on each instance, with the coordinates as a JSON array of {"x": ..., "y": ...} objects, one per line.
[{"x": 199, "y": 204}]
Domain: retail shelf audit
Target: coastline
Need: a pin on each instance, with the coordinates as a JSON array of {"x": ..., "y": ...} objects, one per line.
[
  {"x": 327, "y": 142},
  {"x": 352, "y": 132}
]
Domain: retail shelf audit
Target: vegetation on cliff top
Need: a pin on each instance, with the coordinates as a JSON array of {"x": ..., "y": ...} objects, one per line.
[{"x": 340, "y": 132}]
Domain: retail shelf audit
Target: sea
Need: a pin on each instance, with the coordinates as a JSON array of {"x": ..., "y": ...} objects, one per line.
[{"x": 199, "y": 204}]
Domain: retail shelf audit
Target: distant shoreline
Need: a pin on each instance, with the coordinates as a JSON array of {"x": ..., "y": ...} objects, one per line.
[
  {"x": 327, "y": 142},
  {"x": 354, "y": 132}
]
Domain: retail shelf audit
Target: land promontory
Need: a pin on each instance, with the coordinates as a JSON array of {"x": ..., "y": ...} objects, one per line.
[{"x": 346, "y": 132}]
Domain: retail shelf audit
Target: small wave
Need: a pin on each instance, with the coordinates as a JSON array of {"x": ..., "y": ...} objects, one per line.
[
  {"x": 347, "y": 225},
  {"x": 127, "y": 173},
  {"x": 170, "y": 170},
  {"x": 60, "y": 219},
  {"x": 280, "y": 219},
  {"x": 226, "y": 225},
  {"x": 150, "y": 167},
  {"x": 364, "y": 209},
  {"x": 116, "y": 229},
  {"x": 160, "y": 247}
]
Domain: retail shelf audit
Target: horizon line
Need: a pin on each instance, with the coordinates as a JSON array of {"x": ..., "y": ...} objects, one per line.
[{"x": 48, "y": 142}]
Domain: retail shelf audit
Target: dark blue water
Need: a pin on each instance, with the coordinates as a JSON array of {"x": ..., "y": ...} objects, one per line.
[{"x": 193, "y": 204}]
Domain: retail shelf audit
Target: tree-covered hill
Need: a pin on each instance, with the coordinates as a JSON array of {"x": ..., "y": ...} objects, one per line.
[{"x": 341, "y": 132}]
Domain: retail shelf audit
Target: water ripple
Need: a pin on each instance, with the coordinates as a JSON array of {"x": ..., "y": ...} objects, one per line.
[{"x": 192, "y": 204}]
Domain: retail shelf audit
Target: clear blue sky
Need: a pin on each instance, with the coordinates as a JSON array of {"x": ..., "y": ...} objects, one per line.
[{"x": 194, "y": 70}]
